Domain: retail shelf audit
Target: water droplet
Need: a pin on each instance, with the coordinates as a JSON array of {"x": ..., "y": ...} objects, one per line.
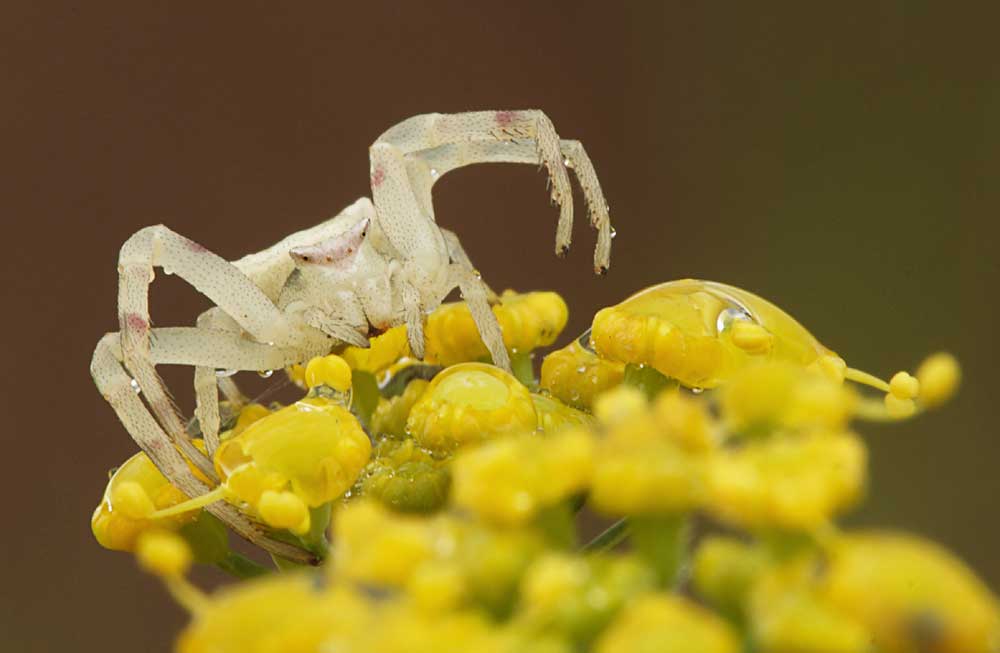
[
  {"x": 730, "y": 315},
  {"x": 697, "y": 391},
  {"x": 135, "y": 386},
  {"x": 434, "y": 173},
  {"x": 614, "y": 232},
  {"x": 581, "y": 369},
  {"x": 265, "y": 374},
  {"x": 584, "y": 341},
  {"x": 567, "y": 162},
  {"x": 224, "y": 373}
]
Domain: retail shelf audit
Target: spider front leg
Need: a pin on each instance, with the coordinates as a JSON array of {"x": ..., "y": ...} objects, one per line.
[
  {"x": 115, "y": 384},
  {"x": 474, "y": 292},
  {"x": 416, "y": 135},
  {"x": 216, "y": 278}
]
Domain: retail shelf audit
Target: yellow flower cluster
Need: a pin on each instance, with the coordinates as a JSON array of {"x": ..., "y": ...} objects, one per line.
[{"x": 452, "y": 490}]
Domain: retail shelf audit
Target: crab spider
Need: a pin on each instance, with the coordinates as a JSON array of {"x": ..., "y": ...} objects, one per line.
[{"x": 379, "y": 263}]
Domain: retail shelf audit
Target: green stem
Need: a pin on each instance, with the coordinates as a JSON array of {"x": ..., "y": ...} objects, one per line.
[
  {"x": 523, "y": 368},
  {"x": 611, "y": 537},
  {"x": 558, "y": 525},
  {"x": 648, "y": 380},
  {"x": 364, "y": 397},
  {"x": 662, "y": 542},
  {"x": 239, "y": 566}
]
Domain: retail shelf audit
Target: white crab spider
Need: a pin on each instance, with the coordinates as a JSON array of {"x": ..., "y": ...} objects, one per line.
[{"x": 373, "y": 266}]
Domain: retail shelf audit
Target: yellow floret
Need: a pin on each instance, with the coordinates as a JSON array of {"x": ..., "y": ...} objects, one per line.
[
  {"x": 686, "y": 421},
  {"x": 528, "y": 321},
  {"x": 576, "y": 376},
  {"x": 789, "y": 482},
  {"x": 383, "y": 350},
  {"x": 314, "y": 448},
  {"x": 663, "y": 623},
  {"x": 553, "y": 415},
  {"x": 163, "y": 553},
  {"x": 135, "y": 490},
  {"x": 284, "y": 509},
  {"x": 508, "y": 481},
  {"x": 332, "y": 371},
  {"x": 469, "y": 403},
  {"x": 939, "y": 377},
  {"x": 912, "y": 594},
  {"x": 641, "y": 470},
  {"x": 391, "y": 414},
  {"x": 380, "y": 547},
  {"x": 725, "y": 569},
  {"x": 700, "y": 332},
  {"x": 777, "y": 394},
  {"x": 282, "y": 612}
]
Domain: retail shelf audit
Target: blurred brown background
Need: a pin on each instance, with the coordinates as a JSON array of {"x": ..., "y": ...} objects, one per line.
[{"x": 842, "y": 162}]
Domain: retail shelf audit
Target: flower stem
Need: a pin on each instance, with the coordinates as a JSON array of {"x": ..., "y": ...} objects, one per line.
[
  {"x": 611, "y": 537},
  {"x": 662, "y": 542},
  {"x": 240, "y": 566}
]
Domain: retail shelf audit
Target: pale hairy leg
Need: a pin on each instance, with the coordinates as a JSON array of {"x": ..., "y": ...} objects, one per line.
[
  {"x": 115, "y": 385},
  {"x": 443, "y": 159},
  {"x": 430, "y": 131},
  {"x": 214, "y": 277},
  {"x": 457, "y": 254},
  {"x": 474, "y": 293}
]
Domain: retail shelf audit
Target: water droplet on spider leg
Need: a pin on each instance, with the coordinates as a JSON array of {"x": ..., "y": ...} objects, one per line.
[
  {"x": 135, "y": 386},
  {"x": 730, "y": 315},
  {"x": 225, "y": 373},
  {"x": 567, "y": 162},
  {"x": 265, "y": 374},
  {"x": 614, "y": 232},
  {"x": 434, "y": 173}
]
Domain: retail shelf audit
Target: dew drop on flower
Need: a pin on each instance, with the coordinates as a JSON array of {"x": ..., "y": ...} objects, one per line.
[
  {"x": 581, "y": 369},
  {"x": 730, "y": 315}
]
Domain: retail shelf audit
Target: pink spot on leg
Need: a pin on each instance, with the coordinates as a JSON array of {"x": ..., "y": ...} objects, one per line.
[
  {"x": 136, "y": 322},
  {"x": 378, "y": 176},
  {"x": 505, "y": 118}
]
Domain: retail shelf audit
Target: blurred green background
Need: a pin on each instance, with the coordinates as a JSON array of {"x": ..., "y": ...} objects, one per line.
[{"x": 841, "y": 161}]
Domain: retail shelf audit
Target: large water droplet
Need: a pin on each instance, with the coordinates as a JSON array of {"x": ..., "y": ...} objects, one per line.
[{"x": 584, "y": 341}]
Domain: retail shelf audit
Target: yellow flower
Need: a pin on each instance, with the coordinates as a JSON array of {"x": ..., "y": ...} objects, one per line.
[
  {"x": 911, "y": 594},
  {"x": 642, "y": 466},
  {"x": 779, "y": 394},
  {"x": 663, "y": 623},
  {"x": 163, "y": 553},
  {"x": 468, "y": 403},
  {"x": 576, "y": 596},
  {"x": 377, "y": 546},
  {"x": 283, "y": 612},
  {"x": 553, "y": 415},
  {"x": 383, "y": 350},
  {"x": 308, "y": 453},
  {"x": 725, "y": 569},
  {"x": 508, "y": 481},
  {"x": 786, "y": 613},
  {"x": 700, "y": 332},
  {"x": 528, "y": 321},
  {"x": 576, "y": 375},
  {"x": 402, "y": 629},
  {"x": 938, "y": 376},
  {"x": 391, "y": 414},
  {"x": 134, "y": 492},
  {"x": 788, "y": 482},
  {"x": 405, "y": 477}
]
